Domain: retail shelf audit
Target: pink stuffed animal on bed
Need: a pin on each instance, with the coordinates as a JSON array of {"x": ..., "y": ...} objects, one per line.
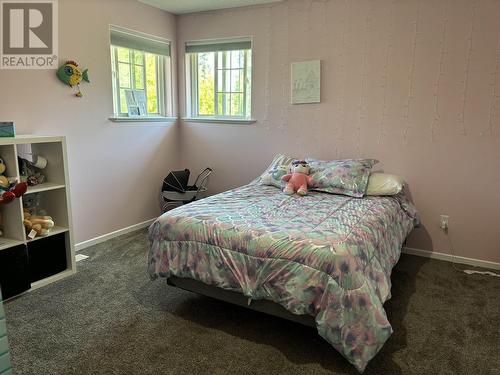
[{"x": 298, "y": 180}]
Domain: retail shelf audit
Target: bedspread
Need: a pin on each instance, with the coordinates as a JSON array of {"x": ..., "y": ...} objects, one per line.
[{"x": 329, "y": 256}]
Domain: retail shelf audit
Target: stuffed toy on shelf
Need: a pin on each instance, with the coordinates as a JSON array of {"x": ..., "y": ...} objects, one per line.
[
  {"x": 10, "y": 189},
  {"x": 31, "y": 170},
  {"x": 298, "y": 180},
  {"x": 35, "y": 219},
  {"x": 37, "y": 225}
]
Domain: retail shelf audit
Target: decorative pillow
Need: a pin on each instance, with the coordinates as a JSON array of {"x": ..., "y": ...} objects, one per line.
[
  {"x": 384, "y": 184},
  {"x": 277, "y": 169},
  {"x": 348, "y": 177}
]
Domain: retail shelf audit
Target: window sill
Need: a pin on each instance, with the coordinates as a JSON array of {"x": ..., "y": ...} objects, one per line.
[
  {"x": 143, "y": 119},
  {"x": 219, "y": 120}
]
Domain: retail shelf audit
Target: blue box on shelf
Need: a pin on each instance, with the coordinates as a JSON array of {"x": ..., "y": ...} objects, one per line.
[{"x": 7, "y": 129}]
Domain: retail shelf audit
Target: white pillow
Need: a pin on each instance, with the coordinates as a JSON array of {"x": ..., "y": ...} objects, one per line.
[{"x": 384, "y": 184}]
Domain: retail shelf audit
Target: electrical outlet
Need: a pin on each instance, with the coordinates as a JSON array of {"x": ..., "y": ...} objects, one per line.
[{"x": 444, "y": 222}]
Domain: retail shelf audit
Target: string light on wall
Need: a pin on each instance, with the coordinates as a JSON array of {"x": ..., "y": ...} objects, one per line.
[
  {"x": 411, "y": 75},
  {"x": 328, "y": 129},
  {"x": 494, "y": 95},
  {"x": 300, "y": 116},
  {"x": 437, "y": 86},
  {"x": 342, "y": 75},
  {"x": 312, "y": 50},
  {"x": 385, "y": 73},
  {"x": 364, "y": 77},
  {"x": 311, "y": 38},
  {"x": 267, "y": 88},
  {"x": 465, "y": 81},
  {"x": 285, "y": 76},
  {"x": 322, "y": 110}
]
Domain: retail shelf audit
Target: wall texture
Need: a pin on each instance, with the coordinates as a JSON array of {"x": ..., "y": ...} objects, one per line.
[
  {"x": 115, "y": 168},
  {"x": 414, "y": 83}
]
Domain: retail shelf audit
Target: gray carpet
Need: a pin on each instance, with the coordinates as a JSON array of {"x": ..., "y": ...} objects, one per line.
[{"x": 111, "y": 319}]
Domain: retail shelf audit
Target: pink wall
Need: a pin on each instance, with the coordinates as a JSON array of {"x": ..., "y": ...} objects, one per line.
[
  {"x": 406, "y": 82},
  {"x": 411, "y": 121},
  {"x": 115, "y": 168}
]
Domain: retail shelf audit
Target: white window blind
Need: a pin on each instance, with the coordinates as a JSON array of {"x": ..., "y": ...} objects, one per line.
[
  {"x": 218, "y": 45},
  {"x": 121, "y": 37}
]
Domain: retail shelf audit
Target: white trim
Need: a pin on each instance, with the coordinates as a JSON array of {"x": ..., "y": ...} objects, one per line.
[
  {"x": 450, "y": 258},
  {"x": 163, "y": 78},
  {"x": 219, "y": 120},
  {"x": 143, "y": 119},
  {"x": 116, "y": 233}
]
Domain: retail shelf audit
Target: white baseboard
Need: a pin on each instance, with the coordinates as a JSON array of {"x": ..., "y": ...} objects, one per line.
[
  {"x": 450, "y": 258},
  {"x": 116, "y": 233}
]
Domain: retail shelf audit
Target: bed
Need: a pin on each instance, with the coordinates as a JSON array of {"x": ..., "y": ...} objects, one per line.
[{"x": 325, "y": 259}]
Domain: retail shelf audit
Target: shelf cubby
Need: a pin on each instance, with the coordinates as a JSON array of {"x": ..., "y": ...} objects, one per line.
[
  {"x": 53, "y": 152},
  {"x": 9, "y": 156},
  {"x": 12, "y": 215},
  {"x": 54, "y": 202},
  {"x": 49, "y": 258}
]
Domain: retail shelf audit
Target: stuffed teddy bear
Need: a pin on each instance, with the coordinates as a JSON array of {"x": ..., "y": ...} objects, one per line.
[
  {"x": 10, "y": 190},
  {"x": 298, "y": 180},
  {"x": 40, "y": 224}
]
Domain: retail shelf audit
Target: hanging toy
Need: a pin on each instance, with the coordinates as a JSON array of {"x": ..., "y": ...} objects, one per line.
[{"x": 71, "y": 75}]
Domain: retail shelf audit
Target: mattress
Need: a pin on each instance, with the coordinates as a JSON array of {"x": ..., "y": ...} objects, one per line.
[{"x": 325, "y": 255}]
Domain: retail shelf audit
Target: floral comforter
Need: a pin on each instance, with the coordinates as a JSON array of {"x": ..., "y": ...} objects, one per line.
[{"x": 329, "y": 256}]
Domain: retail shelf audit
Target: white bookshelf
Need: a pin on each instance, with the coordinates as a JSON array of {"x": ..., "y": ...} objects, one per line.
[{"x": 54, "y": 198}]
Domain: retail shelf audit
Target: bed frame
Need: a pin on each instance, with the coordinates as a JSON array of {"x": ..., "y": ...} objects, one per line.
[{"x": 264, "y": 306}]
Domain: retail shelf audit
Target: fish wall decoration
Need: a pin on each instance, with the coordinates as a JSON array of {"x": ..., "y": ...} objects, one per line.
[{"x": 72, "y": 75}]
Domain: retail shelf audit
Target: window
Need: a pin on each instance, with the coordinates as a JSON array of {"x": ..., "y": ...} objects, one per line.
[
  {"x": 219, "y": 79},
  {"x": 141, "y": 74}
]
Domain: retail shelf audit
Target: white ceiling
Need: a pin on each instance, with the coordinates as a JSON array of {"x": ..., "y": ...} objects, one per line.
[{"x": 191, "y": 6}]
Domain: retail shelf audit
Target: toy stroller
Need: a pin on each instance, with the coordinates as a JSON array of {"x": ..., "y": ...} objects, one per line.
[{"x": 176, "y": 191}]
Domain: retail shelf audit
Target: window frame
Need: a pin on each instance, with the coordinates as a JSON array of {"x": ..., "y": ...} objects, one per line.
[
  {"x": 160, "y": 81},
  {"x": 145, "y": 44},
  {"x": 192, "y": 93}
]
